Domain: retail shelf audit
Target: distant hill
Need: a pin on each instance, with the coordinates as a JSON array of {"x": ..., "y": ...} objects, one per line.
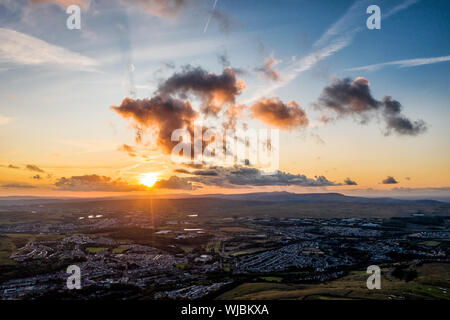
[
  {"x": 268, "y": 204},
  {"x": 314, "y": 197},
  {"x": 282, "y": 196}
]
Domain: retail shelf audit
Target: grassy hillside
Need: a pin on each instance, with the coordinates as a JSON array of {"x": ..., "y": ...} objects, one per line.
[{"x": 432, "y": 282}]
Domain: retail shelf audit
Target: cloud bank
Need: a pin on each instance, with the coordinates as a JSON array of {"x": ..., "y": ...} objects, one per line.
[
  {"x": 239, "y": 176},
  {"x": 389, "y": 180},
  {"x": 267, "y": 69},
  {"x": 165, "y": 114},
  {"x": 95, "y": 182},
  {"x": 84, "y": 4},
  {"x": 213, "y": 90},
  {"x": 33, "y": 167},
  {"x": 282, "y": 115}
]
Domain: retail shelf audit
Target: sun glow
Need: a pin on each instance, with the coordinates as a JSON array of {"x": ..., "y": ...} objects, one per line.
[{"x": 149, "y": 179}]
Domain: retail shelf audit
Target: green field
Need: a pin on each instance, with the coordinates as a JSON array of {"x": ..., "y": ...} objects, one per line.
[
  {"x": 14, "y": 217},
  {"x": 430, "y": 243},
  {"x": 213, "y": 246},
  {"x": 95, "y": 249},
  {"x": 7, "y": 248},
  {"x": 119, "y": 250},
  {"x": 271, "y": 279},
  {"x": 9, "y": 243},
  {"x": 432, "y": 282},
  {"x": 247, "y": 251},
  {"x": 182, "y": 265}
]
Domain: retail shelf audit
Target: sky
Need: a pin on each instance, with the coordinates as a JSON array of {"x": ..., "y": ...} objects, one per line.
[{"x": 90, "y": 111}]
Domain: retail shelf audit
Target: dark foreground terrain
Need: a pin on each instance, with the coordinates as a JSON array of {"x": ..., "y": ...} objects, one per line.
[{"x": 258, "y": 246}]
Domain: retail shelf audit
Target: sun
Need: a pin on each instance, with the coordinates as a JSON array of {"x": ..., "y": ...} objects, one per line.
[{"x": 149, "y": 179}]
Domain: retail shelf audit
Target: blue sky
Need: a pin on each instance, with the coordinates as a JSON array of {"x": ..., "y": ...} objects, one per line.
[{"x": 58, "y": 84}]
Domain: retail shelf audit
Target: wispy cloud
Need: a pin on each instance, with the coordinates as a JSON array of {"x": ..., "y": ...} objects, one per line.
[
  {"x": 22, "y": 49},
  {"x": 17, "y": 186},
  {"x": 402, "y": 6},
  {"x": 5, "y": 120},
  {"x": 88, "y": 146},
  {"x": 168, "y": 9},
  {"x": 65, "y": 3},
  {"x": 33, "y": 167},
  {"x": 95, "y": 182},
  {"x": 209, "y": 18},
  {"x": 168, "y": 51},
  {"x": 337, "y": 37},
  {"x": 402, "y": 63}
]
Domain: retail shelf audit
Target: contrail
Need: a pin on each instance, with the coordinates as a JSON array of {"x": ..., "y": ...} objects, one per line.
[
  {"x": 403, "y": 63},
  {"x": 337, "y": 37},
  {"x": 210, "y": 16}
]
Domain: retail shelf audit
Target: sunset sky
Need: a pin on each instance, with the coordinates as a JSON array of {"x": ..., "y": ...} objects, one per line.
[{"x": 86, "y": 112}]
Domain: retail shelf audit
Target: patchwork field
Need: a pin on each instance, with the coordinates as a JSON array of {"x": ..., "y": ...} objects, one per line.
[
  {"x": 9, "y": 243},
  {"x": 432, "y": 282}
]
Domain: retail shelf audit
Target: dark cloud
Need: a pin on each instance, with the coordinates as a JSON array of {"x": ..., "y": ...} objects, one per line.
[
  {"x": 213, "y": 90},
  {"x": 182, "y": 171},
  {"x": 12, "y": 11},
  {"x": 223, "y": 20},
  {"x": 197, "y": 172},
  {"x": 397, "y": 122},
  {"x": 174, "y": 182},
  {"x": 160, "y": 8},
  {"x": 163, "y": 113},
  {"x": 354, "y": 98},
  {"x": 169, "y": 65},
  {"x": 223, "y": 59},
  {"x": 205, "y": 173},
  {"x": 389, "y": 180},
  {"x": 254, "y": 177},
  {"x": 194, "y": 165},
  {"x": 350, "y": 182},
  {"x": 37, "y": 177},
  {"x": 128, "y": 149},
  {"x": 65, "y": 3},
  {"x": 233, "y": 114},
  {"x": 95, "y": 182},
  {"x": 13, "y": 167},
  {"x": 347, "y": 97},
  {"x": 17, "y": 186},
  {"x": 442, "y": 190},
  {"x": 279, "y": 114},
  {"x": 33, "y": 167},
  {"x": 238, "y": 176},
  {"x": 169, "y": 109},
  {"x": 267, "y": 69}
]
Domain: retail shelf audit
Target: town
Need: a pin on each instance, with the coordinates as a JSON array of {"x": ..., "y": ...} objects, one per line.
[{"x": 183, "y": 255}]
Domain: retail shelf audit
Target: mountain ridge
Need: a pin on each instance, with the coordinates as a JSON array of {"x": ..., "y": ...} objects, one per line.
[{"x": 275, "y": 196}]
